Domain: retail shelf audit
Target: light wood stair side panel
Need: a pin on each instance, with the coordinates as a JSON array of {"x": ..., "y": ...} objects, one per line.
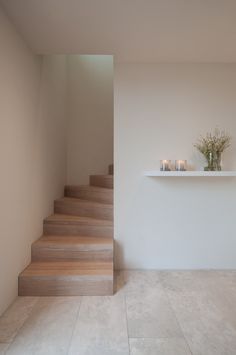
[
  {"x": 71, "y": 225},
  {"x": 90, "y": 193},
  {"x": 101, "y": 181},
  {"x": 72, "y": 248},
  {"x": 84, "y": 208}
]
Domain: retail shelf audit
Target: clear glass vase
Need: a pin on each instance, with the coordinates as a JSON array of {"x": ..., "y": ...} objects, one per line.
[
  {"x": 213, "y": 161},
  {"x": 217, "y": 161}
]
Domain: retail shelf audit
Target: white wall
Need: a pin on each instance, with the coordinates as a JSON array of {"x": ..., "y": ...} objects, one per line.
[
  {"x": 160, "y": 111},
  {"x": 32, "y": 150},
  {"x": 90, "y": 116}
]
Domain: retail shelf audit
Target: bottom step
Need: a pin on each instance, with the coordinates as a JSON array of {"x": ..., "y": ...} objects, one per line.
[{"x": 67, "y": 279}]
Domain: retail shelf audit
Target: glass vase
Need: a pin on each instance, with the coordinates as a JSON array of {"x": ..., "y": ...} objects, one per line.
[
  {"x": 213, "y": 161},
  {"x": 210, "y": 164},
  {"x": 217, "y": 161}
]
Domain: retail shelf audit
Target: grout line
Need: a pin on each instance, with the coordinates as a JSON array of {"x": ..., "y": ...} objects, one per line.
[
  {"x": 127, "y": 328},
  {"x": 126, "y": 316},
  {"x": 175, "y": 315},
  {"x": 158, "y": 337},
  {"x": 76, "y": 320}
]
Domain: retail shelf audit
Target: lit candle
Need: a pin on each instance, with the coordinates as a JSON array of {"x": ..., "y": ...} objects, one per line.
[
  {"x": 165, "y": 165},
  {"x": 180, "y": 165}
]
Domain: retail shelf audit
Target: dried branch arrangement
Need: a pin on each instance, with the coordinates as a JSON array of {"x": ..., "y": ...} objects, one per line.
[{"x": 212, "y": 146}]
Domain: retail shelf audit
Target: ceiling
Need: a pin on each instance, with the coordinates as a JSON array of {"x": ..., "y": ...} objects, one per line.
[{"x": 132, "y": 30}]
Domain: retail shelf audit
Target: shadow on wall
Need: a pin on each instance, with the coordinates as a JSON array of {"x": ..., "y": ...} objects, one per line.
[
  {"x": 118, "y": 254},
  {"x": 90, "y": 116}
]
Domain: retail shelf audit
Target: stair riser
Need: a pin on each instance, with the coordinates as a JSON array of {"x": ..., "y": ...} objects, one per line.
[
  {"x": 101, "y": 181},
  {"x": 96, "y": 196},
  {"x": 73, "y": 229},
  {"x": 80, "y": 209},
  {"x": 64, "y": 286},
  {"x": 56, "y": 254}
]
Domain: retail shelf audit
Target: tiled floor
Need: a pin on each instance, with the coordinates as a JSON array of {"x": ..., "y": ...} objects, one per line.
[{"x": 152, "y": 313}]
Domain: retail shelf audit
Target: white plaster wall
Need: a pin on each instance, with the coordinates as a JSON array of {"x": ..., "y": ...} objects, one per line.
[
  {"x": 160, "y": 111},
  {"x": 90, "y": 116},
  {"x": 32, "y": 150}
]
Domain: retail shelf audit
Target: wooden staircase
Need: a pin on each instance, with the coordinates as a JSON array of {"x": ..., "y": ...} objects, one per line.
[{"x": 75, "y": 254}]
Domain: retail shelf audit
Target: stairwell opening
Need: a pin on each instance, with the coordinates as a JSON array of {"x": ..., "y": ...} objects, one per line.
[{"x": 75, "y": 253}]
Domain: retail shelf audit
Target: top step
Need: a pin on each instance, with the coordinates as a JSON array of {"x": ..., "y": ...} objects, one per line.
[{"x": 102, "y": 181}]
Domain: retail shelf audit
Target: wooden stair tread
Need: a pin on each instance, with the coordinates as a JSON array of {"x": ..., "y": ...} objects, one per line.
[
  {"x": 76, "y": 200},
  {"x": 63, "y": 218},
  {"x": 74, "y": 243},
  {"x": 101, "y": 180},
  {"x": 90, "y": 193},
  {"x": 105, "y": 176},
  {"x": 68, "y": 240},
  {"x": 85, "y": 202},
  {"x": 68, "y": 268},
  {"x": 83, "y": 208},
  {"x": 72, "y": 248}
]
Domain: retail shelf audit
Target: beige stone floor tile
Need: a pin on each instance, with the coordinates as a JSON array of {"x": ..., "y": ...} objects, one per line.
[
  {"x": 49, "y": 328},
  {"x": 197, "y": 280},
  {"x": 134, "y": 280},
  {"x": 101, "y": 327},
  {"x": 172, "y": 346},
  {"x": 149, "y": 312},
  {"x": 204, "y": 304},
  {"x": 15, "y": 316},
  {"x": 3, "y": 348}
]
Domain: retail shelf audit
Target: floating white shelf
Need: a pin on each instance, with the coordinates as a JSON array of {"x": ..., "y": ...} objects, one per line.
[{"x": 159, "y": 173}]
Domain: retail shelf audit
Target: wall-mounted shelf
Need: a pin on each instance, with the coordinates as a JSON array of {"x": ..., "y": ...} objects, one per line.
[{"x": 159, "y": 173}]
